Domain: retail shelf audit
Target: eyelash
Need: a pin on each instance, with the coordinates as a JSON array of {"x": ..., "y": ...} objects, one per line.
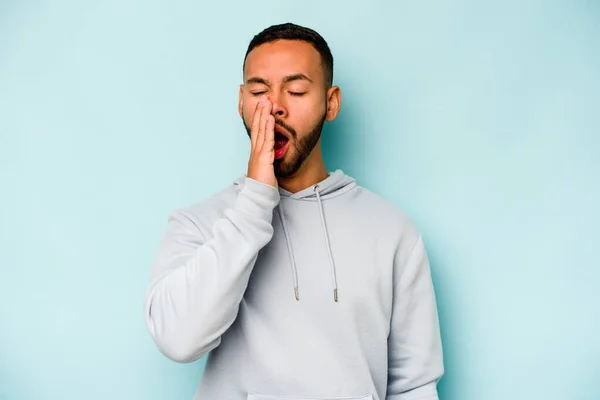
[{"x": 291, "y": 93}]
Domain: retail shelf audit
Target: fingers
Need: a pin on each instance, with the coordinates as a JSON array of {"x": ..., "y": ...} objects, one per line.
[
  {"x": 256, "y": 121},
  {"x": 262, "y": 133},
  {"x": 263, "y": 125},
  {"x": 265, "y": 111},
  {"x": 269, "y": 145}
]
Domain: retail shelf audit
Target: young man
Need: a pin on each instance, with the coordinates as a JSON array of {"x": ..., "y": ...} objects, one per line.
[{"x": 300, "y": 283}]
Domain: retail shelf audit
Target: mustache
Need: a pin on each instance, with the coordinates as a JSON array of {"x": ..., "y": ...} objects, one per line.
[{"x": 285, "y": 126}]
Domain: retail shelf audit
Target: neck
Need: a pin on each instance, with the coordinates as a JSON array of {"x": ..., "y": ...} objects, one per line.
[{"x": 312, "y": 172}]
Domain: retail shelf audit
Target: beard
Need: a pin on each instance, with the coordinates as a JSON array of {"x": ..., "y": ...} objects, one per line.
[{"x": 298, "y": 149}]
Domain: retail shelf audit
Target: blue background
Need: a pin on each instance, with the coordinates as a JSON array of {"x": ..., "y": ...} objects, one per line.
[{"x": 479, "y": 119}]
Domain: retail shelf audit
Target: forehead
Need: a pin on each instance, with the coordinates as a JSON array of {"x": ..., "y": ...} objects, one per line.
[{"x": 283, "y": 58}]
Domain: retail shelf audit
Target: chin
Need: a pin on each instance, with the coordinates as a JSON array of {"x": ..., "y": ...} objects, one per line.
[{"x": 286, "y": 172}]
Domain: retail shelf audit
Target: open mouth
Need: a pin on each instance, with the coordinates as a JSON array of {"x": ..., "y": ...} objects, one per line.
[{"x": 281, "y": 143}]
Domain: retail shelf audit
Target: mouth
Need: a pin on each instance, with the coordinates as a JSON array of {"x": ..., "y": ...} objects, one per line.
[{"x": 281, "y": 142}]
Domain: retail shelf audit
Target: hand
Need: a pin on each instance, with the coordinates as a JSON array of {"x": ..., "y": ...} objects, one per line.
[{"x": 262, "y": 153}]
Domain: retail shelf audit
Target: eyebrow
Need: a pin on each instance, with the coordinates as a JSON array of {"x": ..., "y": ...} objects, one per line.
[{"x": 287, "y": 79}]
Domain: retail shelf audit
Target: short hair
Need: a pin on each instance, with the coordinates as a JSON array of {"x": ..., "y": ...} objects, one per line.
[{"x": 289, "y": 31}]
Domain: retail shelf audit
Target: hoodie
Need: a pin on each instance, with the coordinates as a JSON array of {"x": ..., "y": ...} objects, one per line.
[{"x": 323, "y": 294}]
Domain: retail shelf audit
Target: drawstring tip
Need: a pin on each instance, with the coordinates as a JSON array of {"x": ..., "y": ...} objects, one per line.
[
  {"x": 335, "y": 295},
  {"x": 296, "y": 294}
]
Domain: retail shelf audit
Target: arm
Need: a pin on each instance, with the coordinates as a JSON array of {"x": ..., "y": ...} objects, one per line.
[
  {"x": 415, "y": 361},
  {"x": 197, "y": 285}
]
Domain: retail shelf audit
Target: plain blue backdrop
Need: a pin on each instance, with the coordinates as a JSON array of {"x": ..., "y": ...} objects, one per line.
[{"x": 479, "y": 119}]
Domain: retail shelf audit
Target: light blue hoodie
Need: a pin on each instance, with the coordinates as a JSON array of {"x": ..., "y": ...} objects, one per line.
[{"x": 321, "y": 294}]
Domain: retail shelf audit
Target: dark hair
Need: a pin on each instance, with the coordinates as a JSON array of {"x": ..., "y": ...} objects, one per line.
[{"x": 291, "y": 31}]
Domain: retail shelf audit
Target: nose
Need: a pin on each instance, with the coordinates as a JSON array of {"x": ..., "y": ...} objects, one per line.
[{"x": 279, "y": 109}]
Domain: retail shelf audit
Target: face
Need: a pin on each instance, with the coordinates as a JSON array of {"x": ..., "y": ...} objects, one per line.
[{"x": 290, "y": 74}]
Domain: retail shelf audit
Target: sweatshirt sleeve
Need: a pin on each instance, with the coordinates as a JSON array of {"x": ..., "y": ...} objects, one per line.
[
  {"x": 196, "y": 285},
  {"x": 415, "y": 361}
]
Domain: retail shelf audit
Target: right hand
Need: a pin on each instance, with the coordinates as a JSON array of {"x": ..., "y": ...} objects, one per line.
[{"x": 262, "y": 152}]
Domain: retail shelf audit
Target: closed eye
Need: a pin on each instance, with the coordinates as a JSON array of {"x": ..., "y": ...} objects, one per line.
[
  {"x": 297, "y": 93},
  {"x": 258, "y": 93}
]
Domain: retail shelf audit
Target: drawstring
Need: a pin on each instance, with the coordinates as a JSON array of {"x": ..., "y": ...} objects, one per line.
[
  {"x": 331, "y": 262},
  {"x": 291, "y": 250}
]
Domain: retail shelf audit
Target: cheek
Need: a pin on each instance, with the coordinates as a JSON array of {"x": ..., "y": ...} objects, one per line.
[{"x": 308, "y": 114}]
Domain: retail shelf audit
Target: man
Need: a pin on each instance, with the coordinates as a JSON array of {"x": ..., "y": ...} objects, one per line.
[{"x": 300, "y": 283}]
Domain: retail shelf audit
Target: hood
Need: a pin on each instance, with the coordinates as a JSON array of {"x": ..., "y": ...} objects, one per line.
[
  {"x": 334, "y": 185},
  {"x": 337, "y": 183}
]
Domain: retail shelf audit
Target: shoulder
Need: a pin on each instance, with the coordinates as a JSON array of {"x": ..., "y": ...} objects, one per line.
[
  {"x": 205, "y": 212},
  {"x": 387, "y": 218},
  {"x": 392, "y": 225}
]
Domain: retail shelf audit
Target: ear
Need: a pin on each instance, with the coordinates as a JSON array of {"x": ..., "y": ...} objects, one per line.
[
  {"x": 334, "y": 101},
  {"x": 241, "y": 101}
]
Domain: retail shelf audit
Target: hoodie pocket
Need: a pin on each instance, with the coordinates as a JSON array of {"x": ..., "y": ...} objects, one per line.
[{"x": 256, "y": 396}]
